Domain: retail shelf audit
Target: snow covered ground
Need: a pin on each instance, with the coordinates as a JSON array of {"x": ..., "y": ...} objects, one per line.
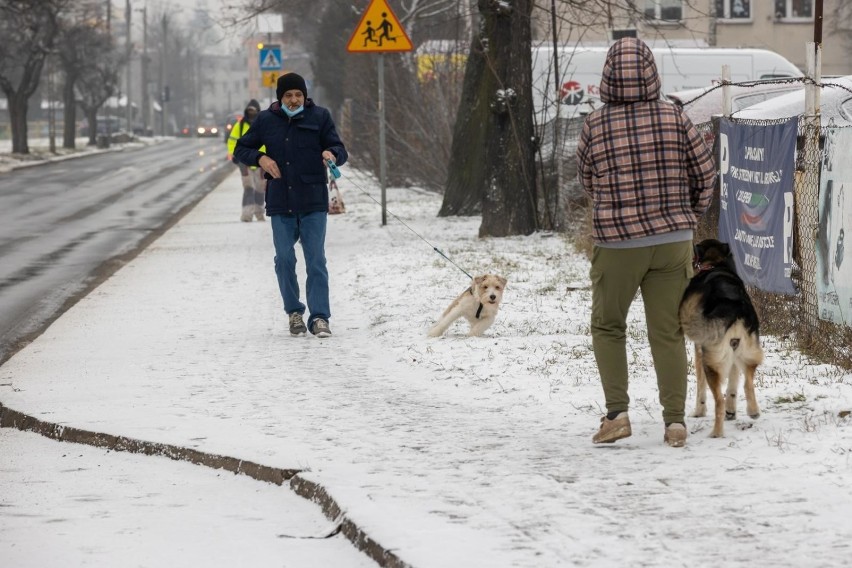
[
  {"x": 40, "y": 151},
  {"x": 453, "y": 451}
]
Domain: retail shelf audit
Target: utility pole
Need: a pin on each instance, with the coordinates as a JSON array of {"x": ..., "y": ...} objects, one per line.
[
  {"x": 129, "y": 46},
  {"x": 807, "y": 188},
  {"x": 109, "y": 34},
  {"x": 272, "y": 87},
  {"x": 146, "y": 103},
  {"x": 164, "y": 22}
]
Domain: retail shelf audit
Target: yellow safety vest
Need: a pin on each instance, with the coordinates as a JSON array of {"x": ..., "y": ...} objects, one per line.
[{"x": 240, "y": 128}]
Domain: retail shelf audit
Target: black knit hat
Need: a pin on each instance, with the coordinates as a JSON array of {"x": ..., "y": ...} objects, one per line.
[{"x": 289, "y": 82}]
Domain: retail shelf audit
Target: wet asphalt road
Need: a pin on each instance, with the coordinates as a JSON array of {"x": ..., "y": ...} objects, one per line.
[{"x": 66, "y": 226}]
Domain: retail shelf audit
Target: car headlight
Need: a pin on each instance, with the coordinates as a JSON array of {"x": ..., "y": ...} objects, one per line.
[{"x": 201, "y": 130}]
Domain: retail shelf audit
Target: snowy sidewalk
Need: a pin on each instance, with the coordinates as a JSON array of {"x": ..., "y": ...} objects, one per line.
[{"x": 453, "y": 451}]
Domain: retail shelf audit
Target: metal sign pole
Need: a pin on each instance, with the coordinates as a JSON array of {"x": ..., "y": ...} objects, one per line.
[
  {"x": 382, "y": 153},
  {"x": 271, "y": 87},
  {"x": 378, "y": 38}
]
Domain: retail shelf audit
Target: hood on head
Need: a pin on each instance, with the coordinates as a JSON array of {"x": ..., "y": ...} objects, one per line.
[
  {"x": 252, "y": 104},
  {"x": 630, "y": 73}
]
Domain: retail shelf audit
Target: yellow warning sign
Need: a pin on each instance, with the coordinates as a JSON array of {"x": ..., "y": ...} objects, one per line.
[
  {"x": 379, "y": 31},
  {"x": 270, "y": 78}
]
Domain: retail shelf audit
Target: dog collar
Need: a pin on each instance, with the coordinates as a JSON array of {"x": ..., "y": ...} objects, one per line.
[
  {"x": 479, "y": 309},
  {"x": 703, "y": 267}
]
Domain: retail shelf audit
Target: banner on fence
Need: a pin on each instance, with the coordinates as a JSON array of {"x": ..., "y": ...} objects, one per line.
[
  {"x": 756, "y": 201},
  {"x": 834, "y": 267}
]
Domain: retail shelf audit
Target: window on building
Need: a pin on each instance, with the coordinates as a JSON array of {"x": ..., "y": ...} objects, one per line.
[
  {"x": 664, "y": 10},
  {"x": 733, "y": 9},
  {"x": 794, "y": 8}
]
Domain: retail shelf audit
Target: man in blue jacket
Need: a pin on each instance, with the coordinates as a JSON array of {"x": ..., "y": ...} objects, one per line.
[{"x": 299, "y": 137}]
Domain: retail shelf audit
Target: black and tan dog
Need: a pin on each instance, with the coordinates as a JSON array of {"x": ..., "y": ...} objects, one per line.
[{"x": 716, "y": 313}]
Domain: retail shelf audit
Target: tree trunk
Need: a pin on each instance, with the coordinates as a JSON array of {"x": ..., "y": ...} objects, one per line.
[
  {"x": 18, "y": 121},
  {"x": 466, "y": 179},
  {"x": 19, "y": 81},
  {"x": 509, "y": 199},
  {"x": 92, "y": 119},
  {"x": 69, "y": 129}
]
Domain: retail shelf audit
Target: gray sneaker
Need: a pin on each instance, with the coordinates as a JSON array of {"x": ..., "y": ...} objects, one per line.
[
  {"x": 297, "y": 325},
  {"x": 320, "y": 328},
  {"x": 612, "y": 430}
]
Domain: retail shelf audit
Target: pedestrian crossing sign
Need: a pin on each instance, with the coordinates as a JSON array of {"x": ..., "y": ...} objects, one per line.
[
  {"x": 379, "y": 31},
  {"x": 270, "y": 58}
]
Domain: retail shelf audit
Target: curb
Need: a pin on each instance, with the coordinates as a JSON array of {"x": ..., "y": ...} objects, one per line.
[{"x": 304, "y": 488}]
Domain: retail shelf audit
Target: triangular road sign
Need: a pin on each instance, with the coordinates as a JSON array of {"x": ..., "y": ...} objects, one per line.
[{"x": 379, "y": 31}]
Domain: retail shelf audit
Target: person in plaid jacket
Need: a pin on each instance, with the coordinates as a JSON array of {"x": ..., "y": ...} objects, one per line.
[{"x": 649, "y": 175}]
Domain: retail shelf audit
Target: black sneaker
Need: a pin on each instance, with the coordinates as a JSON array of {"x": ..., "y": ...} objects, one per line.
[
  {"x": 297, "y": 325},
  {"x": 320, "y": 328}
]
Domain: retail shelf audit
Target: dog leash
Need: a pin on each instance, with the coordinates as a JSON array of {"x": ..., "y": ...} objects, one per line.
[{"x": 434, "y": 248}]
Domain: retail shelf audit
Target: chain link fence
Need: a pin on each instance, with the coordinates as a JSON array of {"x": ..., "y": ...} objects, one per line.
[
  {"x": 794, "y": 317},
  {"x": 561, "y": 196}
]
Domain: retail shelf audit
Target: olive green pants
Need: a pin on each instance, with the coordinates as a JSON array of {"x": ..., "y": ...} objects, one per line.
[{"x": 662, "y": 273}]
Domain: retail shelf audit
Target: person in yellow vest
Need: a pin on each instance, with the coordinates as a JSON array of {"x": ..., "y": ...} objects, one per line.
[{"x": 254, "y": 184}]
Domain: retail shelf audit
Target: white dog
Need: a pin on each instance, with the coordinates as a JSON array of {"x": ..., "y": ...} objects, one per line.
[{"x": 478, "y": 304}]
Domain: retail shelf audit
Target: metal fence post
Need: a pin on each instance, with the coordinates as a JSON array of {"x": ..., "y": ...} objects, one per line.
[{"x": 807, "y": 191}]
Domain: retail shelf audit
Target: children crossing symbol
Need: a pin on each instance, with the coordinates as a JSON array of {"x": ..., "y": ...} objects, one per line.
[{"x": 379, "y": 31}]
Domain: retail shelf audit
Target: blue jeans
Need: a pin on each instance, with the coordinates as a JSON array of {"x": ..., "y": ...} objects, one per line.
[{"x": 310, "y": 229}]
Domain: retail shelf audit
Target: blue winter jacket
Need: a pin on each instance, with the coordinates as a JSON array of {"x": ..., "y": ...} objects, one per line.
[{"x": 296, "y": 144}]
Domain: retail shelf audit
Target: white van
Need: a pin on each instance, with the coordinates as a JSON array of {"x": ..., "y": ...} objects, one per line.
[{"x": 680, "y": 68}]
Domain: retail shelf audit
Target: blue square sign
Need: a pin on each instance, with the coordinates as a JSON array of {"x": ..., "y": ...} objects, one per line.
[{"x": 270, "y": 58}]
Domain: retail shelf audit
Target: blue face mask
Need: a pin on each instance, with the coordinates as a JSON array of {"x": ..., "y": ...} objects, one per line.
[{"x": 292, "y": 113}]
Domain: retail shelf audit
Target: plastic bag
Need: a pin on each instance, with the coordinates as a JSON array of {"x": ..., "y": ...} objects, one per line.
[{"x": 335, "y": 199}]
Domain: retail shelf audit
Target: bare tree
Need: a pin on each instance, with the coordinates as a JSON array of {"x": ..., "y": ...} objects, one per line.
[
  {"x": 492, "y": 166},
  {"x": 28, "y": 29},
  {"x": 97, "y": 81},
  {"x": 81, "y": 43}
]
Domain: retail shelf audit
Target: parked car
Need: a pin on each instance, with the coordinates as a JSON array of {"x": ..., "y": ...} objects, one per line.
[
  {"x": 701, "y": 105},
  {"x": 113, "y": 124},
  {"x": 835, "y": 104}
]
